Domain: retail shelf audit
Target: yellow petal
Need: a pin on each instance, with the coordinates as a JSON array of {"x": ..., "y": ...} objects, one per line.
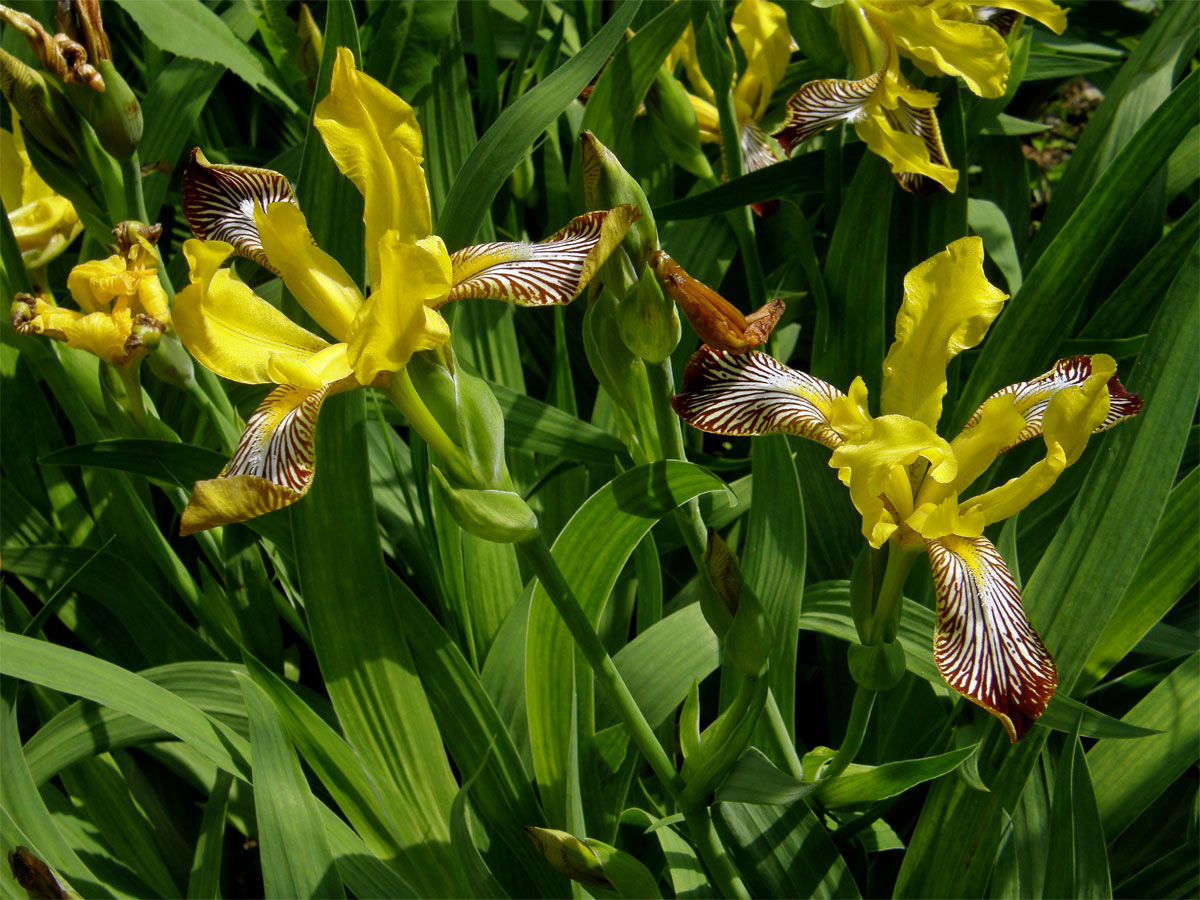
[
  {"x": 397, "y": 319},
  {"x": 315, "y": 278},
  {"x": 36, "y": 225},
  {"x": 271, "y": 468},
  {"x": 684, "y": 52},
  {"x": 849, "y": 415},
  {"x": 947, "y": 308},
  {"x": 761, "y": 28},
  {"x": 1049, "y": 14},
  {"x": 375, "y": 139},
  {"x": 708, "y": 120},
  {"x": 11, "y": 167},
  {"x": 900, "y": 126},
  {"x": 874, "y": 464},
  {"x": 230, "y": 329},
  {"x": 932, "y": 521},
  {"x": 151, "y": 297},
  {"x": 984, "y": 644},
  {"x": 552, "y": 271},
  {"x": 101, "y": 334},
  {"x": 975, "y": 52},
  {"x": 1071, "y": 417},
  {"x": 96, "y": 283}
]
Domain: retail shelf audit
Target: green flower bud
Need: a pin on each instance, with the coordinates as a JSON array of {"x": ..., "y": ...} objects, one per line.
[
  {"x": 879, "y": 667},
  {"x": 46, "y": 116},
  {"x": 171, "y": 363},
  {"x": 628, "y": 876},
  {"x": 748, "y": 641},
  {"x": 114, "y": 113},
  {"x": 501, "y": 516},
  {"x": 569, "y": 855},
  {"x": 648, "y": 320},
  {"x": 674, "y": 122},
  {"x": 606, "y": 184},
  {"x": 611, "y": 361}
]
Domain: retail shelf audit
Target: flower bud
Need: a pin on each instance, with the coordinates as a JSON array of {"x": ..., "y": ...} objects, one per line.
[
  {"x": 114, "y": 113},
  {"x": 494, "y": 514},
  {"x": 724, "y": 574},
  {"x": 718, "y": 322},
  {"x": 674, "y": 122},
  {"x": 606, "y": 184},
  {"x": 878, "y": 667},
  {"x": 647, "y": 320},
  {"x": 171, "y": 363},
  {"x": 614, "y": 365},
  {"x": 569, "y": 855},
  {"x": 748, "y": 641},
  {"x": 48, "y": 119}
]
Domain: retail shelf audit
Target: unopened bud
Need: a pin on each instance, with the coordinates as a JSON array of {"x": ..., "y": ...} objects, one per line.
[
  {"x": 878, "y": 667},
  {"x": 648, "y": 321},
  {"x": 58, "y": 53},
  {"x": 569, "y": 855},
  {"x": 718, "y": 322},
  {"x": 311, "y": 42},
  {"x": 724, "y": 572},
  {"x": 114, "y": 113},
  {"x": 748, "y": 641},
  {"x": 606, "y": 184},
  {"x": 674, "y": 123},
  {"x": 615, "y": 367},
  {"x": 171, "y": 363},
  {"x": 46, "y": 116},
  {"x": 144, "y": 335}
]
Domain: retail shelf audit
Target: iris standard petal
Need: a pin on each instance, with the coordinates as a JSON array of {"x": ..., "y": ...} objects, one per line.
[
  {"x": 230, "y": 329},
  {"x": 948, "y": 307},
  {"x": 398, "y": 318},
  {"x": 900, "y": 127},
  {"x": 751, "y": 393},
  {"x": 315, "y": 278},
  {"x": 271, "y": 468},
  {"x": 976, "y": 53},
  {"x": 219, "y": 202},
  {"x": 552, "y": 271},
  {"x": 375, "y": 139},
  {"x": 761, "y": 28},
  {"x": 984, "y": 644}
]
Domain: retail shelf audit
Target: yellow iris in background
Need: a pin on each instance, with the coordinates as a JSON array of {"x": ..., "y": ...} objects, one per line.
[
  {"x": 891, "y": 116},
  {"x": 909, "y": 484},
  {"x": 42, "y": 222}
]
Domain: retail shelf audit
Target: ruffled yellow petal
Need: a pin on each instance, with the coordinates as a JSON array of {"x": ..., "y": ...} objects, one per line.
[
  {"x": 43, "y": 228},
  {"x": 94, "y": 284},
  {"x": 230, "y": 329},
  {"x": 315, "y": 278},
  {"x": 271, "y": 468},
  {"x": 948, "y": 307},
  {"x": 375, "y": 139},
  {"x": 874, "y": 464},
  {"x": 1049, "y": 14},
  {"x": 397, "y": 320},
  {"x": 1071, "y": 417},
  {"x": 937, "y": 43},
  {"x": 761, "y": 28},
  {"x": 101, "y": 334}
]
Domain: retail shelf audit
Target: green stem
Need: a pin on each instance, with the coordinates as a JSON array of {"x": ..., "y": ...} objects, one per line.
[
  {"x": 783, "y": 741},
  {"x": 135, "y": 201},
  {"x": 401, "y": 391},
  {"x": 886, "y": 615},
  {"x": 860, "y": 716},
  {"x": 538, "y": 555},
  {"x": 135, "y": 403},
  {"x": 720, "y": 866}
]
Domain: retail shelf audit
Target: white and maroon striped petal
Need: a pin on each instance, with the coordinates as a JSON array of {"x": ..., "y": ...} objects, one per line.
[
  {"x": 550, "y": 272},
  {"x": 820, "y": 105},
  {"x": 219, "y": 203},
  {"x": 1032, "y": 397},
  {"x": 751, "y": 393},
  {"x": 757, "y": 152},
  {"x": 272, "y": 466},
  {"x": 924, "y": 124},
  {"x": 984, "y": 645}
]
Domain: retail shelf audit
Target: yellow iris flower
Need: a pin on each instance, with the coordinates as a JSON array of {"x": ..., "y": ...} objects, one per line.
[
  {"x": 123, "y": 308},
  {"x": 960, "y": 38},
  {"x": 761, "y": 30},
  {"x": 375, "y": 140},
  {"x": 910, "y": 485},
  {"x": 43, "y": 222}
]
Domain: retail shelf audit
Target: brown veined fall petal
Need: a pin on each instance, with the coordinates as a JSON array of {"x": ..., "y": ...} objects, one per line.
[
  {"x": 984, "y": 645},
  {"x": 752, "y": 393},
  {"x": 822, "y": 104},
  {"x": 549, "y": 272},
  {"x": 719, "y": 323},
  {"x": 757, "y": 152},
  {"x": 219, "y": 203},
  {"x": 272, "y": 466},
  {"x": 1030, "y": 398}
]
